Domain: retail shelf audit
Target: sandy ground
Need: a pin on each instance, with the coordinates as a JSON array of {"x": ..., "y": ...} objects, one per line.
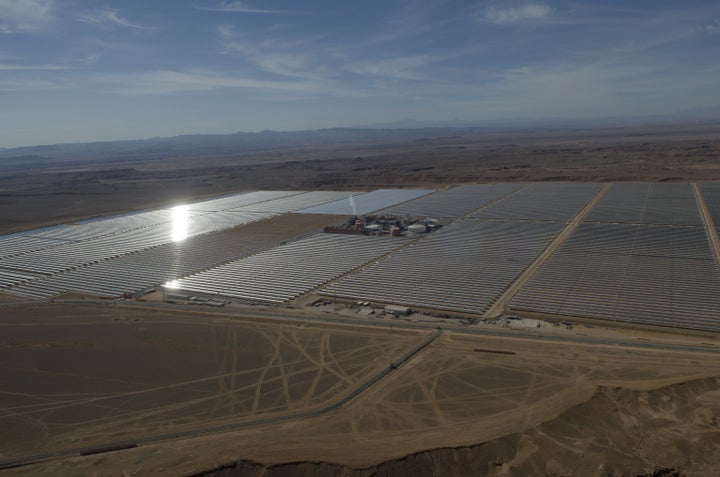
[
  {"x": 454, "y": 394},
  {"x": 74, "y": 376},
  {"x": 9, "y": 298}
]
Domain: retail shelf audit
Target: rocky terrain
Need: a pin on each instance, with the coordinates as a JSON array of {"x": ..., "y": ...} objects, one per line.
[{"x": 673, "y": 431}]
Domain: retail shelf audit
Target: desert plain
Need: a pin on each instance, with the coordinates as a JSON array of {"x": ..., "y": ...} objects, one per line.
[{"x": 147, "y": 388}]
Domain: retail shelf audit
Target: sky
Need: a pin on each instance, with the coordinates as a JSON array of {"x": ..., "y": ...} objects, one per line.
[{"x": 81, "y": 70}]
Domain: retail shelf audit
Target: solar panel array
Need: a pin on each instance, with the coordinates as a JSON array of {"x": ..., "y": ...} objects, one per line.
[
  {"x": 641, "y": 255},
  {"x": 290, "y": 270},
  {"x": 468, "y": 265},
  {"x": 711, "y": 193},
  {"x": 114, "y": 255},
  {"x": 48, "y": 237},
  {"x": 657, "y": 275},
  {"x": 202, "y": 217},
  {"x": 295, "y": 202},
  {"x": 642, "y": 203},
  {"x": 148, "y": 268},
  {"x": 75, "y": 254},
  {"x": 455, "y": 202},
  {"x": 559, "y": 201},
  {"x": 12, "y": 278},
  {"x": 17, "y": 244},
  {"x": 362, "y": 204},
  {"x": 108, "y": 226},
  {"x": 464, "y": 267},
  {"x": 240, "y": 200}
]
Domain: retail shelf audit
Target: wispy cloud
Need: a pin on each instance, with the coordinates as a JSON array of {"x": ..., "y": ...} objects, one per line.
[
  {"x": 25, "y": 16},
  {"x": 164, "y": 82},
  {"x": 289, "y": 64},
  {"x": 278, "y": 57},
  {"x": 108, "y": 18},
  {"x": 237, "y": 7},
  {"x": 230, "y": 40},
  {"x": 321, "y": 61},
  {"x": 28, "y": 85},
  {"x": 522, "y": 13},
  {"x": 713, "y": 27},
  {"x": 12, "y": 67},
  {"x": 406, "y": 67},
  {"x": 168, "y": 81}
]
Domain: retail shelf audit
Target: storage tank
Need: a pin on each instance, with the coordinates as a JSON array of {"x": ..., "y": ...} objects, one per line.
[{"x": 417, "y": 229}]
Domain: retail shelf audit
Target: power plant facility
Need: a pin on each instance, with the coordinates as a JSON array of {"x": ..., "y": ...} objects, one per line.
[
  {"x": 385, "y": 225},
  {"x": 622, "y": 253}
]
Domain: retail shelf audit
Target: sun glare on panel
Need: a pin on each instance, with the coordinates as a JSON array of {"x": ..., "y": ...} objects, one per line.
[
  {"x": 180, "y": 223},
  {"x": 172, "y": 284}
]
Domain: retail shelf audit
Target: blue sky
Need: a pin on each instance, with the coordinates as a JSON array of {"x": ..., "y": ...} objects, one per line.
[{"x": 77, "y": 70}]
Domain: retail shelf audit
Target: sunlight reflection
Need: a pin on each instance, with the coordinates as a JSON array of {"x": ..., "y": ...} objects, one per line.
[
  {"x": 180, "y": 223},
  {"x": 172, "y": 284}
]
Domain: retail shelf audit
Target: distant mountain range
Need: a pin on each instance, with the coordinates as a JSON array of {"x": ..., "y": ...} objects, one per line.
[
  {"x": 706, "y": 114},
  {"x": 221, "y": 144},
  {"x": 267, "y": 141}
]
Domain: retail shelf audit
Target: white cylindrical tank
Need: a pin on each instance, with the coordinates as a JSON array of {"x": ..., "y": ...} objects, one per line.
[{"x": 417, "y": 229}]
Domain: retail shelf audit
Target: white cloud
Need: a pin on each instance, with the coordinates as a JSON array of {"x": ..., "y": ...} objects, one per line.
[
  {"x": 237, "y": 7},
  {"x": 108, "y": 18},
  {"x": 399, "y": 67},
  {"x": 230, "y": 40},
  {"x": 287, "y": 64},
  {"x": 162, "y": 82},
  {"x": 28, "y": 85},
  {"x": 23, "y": 16},
  {"x": 279, "y": 57},
  {"x": 168, "y": 81},
  {"x": 715, "y": 28},
  {"x": 506, "y": 16},
  {"x": 12, "y": 67},
  {"x": 316, "y": 61},
  {"x": 227, "y": 32}
]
